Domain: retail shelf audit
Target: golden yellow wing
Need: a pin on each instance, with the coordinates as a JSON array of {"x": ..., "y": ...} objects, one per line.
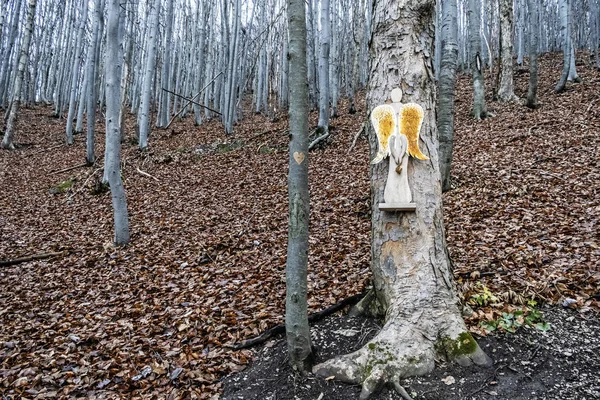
[
  {"x": 385, "y": 123},
  {"x": 411, "y": 118}
]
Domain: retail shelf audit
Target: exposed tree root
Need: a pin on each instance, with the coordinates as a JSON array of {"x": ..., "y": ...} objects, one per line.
[{"x": 402, "y": 350}]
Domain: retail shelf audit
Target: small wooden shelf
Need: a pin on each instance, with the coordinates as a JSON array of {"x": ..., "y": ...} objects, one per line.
[{"x": 397, "y": 206}]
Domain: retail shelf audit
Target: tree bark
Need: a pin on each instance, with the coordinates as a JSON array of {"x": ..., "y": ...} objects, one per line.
[
  {"x": 411, "y": 269},
  {"x": 534, "y": 20},
  {"x": 447, "y": 85},
  {"x": 506, "y": 89},
  {"x": 164, "y": 111},
  {"x": 149, "y": 72},
  {"x": 296, "y": 310},
  {"x": 474, "y": 17},
  {"x": 325, "y": 37},
  {"x": 565, "y": 28},
  {"x": 113, "y": 68},
  {"x": 92, "y": 85},
  {"x": 7, "y": 141},
  {"x": 76, "y": 71}
]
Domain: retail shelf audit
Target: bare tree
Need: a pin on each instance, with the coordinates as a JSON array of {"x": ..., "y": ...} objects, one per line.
[
  {"x": 413, "y": 284},
  {"x": 296, "y": 315},
  {"x": 474, "y": 18},
  {"x": 325, "y": 38},
  {"x": 76, "y": 70},
  {"x": 149, "y": 72},
  {"x": 7, "y": 141},
  {"x": 534, "y": 20},
  {"x": 506, "y": 89},
  {"x": 113, "y": 69},
  {"x": 447, "y": 86}
]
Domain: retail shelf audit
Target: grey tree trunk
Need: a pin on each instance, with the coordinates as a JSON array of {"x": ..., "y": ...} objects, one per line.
[
  {"x": 165, "y": 106},
  {"x": 412, "y": 278},
  {"x": 5, "y": 70},
  {"x": 474, "y": 18},
  {"x": 149, "y": 71},
  {"x": 447, "y": 86},
  {"x": 7, "y": 141},
  {"x": 76, "y": 70},
  {"x": 565, "y": 28},
  {"x": 506, "y": 89},
  {"x": 92, "y": 84},
  {"x": 113, "y": 68},
  {"x": 534, "y": 20},
  {"x": 296, "y": 314},
  {"x": 325, "y": 37}
]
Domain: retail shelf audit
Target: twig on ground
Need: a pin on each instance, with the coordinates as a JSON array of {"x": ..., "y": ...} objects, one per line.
[
  {"x": 318, "y": 140},
  {"x": 48, "y": 149},
  {"x": 85, "y": 164},
  {"x": 41, "y": 256},
  {"x": 266, "y": 335},
  {"x": 487, "y": 381},
  {"x": 356, "y": 136},
  {"x": 147, "y": 174}
]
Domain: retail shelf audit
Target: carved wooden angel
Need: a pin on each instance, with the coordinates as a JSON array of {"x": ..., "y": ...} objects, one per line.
[{"x": 397, "y": 126}]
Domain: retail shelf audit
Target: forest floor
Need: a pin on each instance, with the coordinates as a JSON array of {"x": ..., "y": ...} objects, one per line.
[{"x": 208, "y": 217}]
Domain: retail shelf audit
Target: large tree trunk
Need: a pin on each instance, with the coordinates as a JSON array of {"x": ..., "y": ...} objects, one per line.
[
  {"x": 113, "y": 67},
  {"x": 7, "y": 141},
  {"x": 506, "y": 89},
  {"x": 411, "y": 269},
  {"x": 474, "y": 17},
  {"x": 534, "y": 20},
  {"x": 447, "y": 85},
  {"x": 296, "y": 315}
]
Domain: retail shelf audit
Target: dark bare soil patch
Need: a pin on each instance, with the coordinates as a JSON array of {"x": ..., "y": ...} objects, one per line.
[{"x": 561, "y": 364}]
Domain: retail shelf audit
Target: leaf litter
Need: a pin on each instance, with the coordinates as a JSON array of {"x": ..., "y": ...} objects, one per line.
[{"x": 209, "y": 230}]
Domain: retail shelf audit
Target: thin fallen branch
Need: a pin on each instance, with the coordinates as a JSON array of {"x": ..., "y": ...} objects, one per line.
[
  {"x": 41, "y": 256},
  {"x": 356, "y": 136},
  {"x": 278, "y": 329},
  {"x": 191, "y": 101},
  {"x": 318, "y": 140},
  {"x": 147, "y": 174},
  {"x": 193, "y": 98},
  {"x": 48, "y": 149},
  {"x": 85, "y": 164}
]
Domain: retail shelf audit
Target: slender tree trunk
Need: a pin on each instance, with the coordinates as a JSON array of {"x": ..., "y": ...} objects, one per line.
[
  {"x": 534, "y": 20},
  {"x": 149, "y": 72},
  {"x": 165, "y": 105},
  {"x": 447, "y": 85},
  {"x": 7, "y": 141},
  {"x": 296, "y": 314},
  {"x": 325, "y": 38},
  {"x": 113, "y": 66},
  {"x": 5, "y": 71},
  {"x": 412, "y": 278},
  {"x": 506, "y": 89},
  {"x": 565, "y": 28},
  {"x": 76, "y": 70},
  {"x": 92, "y": 89},
  {"x": 474, "y": 17}
]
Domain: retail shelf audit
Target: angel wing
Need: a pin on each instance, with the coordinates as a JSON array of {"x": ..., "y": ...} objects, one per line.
[
  {"x": 411, "y": 118},
  {"x": 385, "y": 123}
]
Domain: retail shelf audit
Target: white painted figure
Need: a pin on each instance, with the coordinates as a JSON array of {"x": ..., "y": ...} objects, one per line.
[{"x": 397, "y": 126}]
